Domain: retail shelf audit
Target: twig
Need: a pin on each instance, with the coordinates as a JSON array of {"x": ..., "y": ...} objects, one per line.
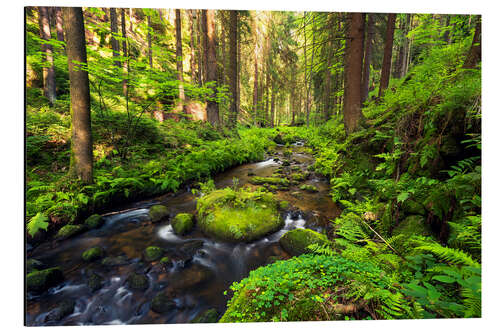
[{"x": 382, "y": 238}]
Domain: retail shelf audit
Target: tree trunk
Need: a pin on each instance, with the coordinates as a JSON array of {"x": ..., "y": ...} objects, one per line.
[
  {"x": 273, "y": 98},
  {"x": 49, "y": 78},
  {"x": 255, "y": 72},
  {"x": 328, "y": 84},
  {"x": 59, "y": 24},
  {"x": 353, "y": 71},
  {"x": 233, "y": 67},
  {"x": 211, "y": 66},
  {"x": 115, "y": 44},
  {"x": 178, "y": 53},
  {"x": 81, "y": 134},
  {"x": 474, "y": 55},
  {"x": 125, "y": 54},
  {"x": 150, "y": 49},
  {"x": 306, "y": 82},
  {"x": 367, "y": 57},
  {"x": 386, "y": 62},
  {"x": 192, "y": 60},
  {"x": 204, "y": 30}
]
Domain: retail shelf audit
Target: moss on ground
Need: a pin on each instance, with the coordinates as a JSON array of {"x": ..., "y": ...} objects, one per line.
[
  {"x": 269, "y": 180},
  {"x": 309, "y": 188}
]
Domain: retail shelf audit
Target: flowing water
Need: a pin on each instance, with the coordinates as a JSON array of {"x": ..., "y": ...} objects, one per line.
[{"x": 202, "y": 268}]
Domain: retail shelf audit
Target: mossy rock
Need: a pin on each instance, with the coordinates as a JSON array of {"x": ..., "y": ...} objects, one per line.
[
  {"x": 157, "y": 213},
  {"x": 296, "y": 241},
  {"x": 284, "y": 205},
  {"x": 94, "y": 221},
  {"x": 115, "y": 261},
  {"x": 183, "y": 223},
  {"x": 269, "y": 180},
  {"x": 207, "y": 316},
  {"x": 153, "y": 253},
  {"x": 166, "y": 261},
  {"x": 65, "y": 308},
  {"x": 309, "y": 188},
  {"x": 137, "y": 281},
  {"x": 33, "y": 265},
  {"x": 238, "y": 216},
  {"x": 286, "y": 163},
  {"x": 44, "y": 279},
  {"x": 298, "y": 176},
  {"x": 70, "y": 230},
  {"x": 93, "y": 253},
  {"x": 161, "y": 303},
  {"x": 412, "y": 225},
  {"x": 94, "y": 281}
]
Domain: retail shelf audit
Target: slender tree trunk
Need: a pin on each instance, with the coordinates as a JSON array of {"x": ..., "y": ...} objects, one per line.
[
  {"x": 474, "y": 55},
  {"x": 125, "y": 54},
  {"x": 178, "y": 53},
  {"x": 267, "y": 96},
  {"x": 273, "y": 100},
  {"x": 49, "y": 78},
  {"x": 204, "y": 30},
  {"x": 367, "y": 58},
  {"x": 130, "y": 14},
  {"x": 306, "y": 82},
  {"x": 115, "y": 44},
  {"x": 256, "y": 72},
  {"x": 81, "y": 134},
  {"x": 59, "y": 24},
  {"x": 406, "y": 45},
  {"x": 192, "y": 60},
  {"x": 233, "y": 67},
  {"x": 386, "y": 62},
  {"x": 353, "y": 71},
  {"x": 446, "y": 35},
  {"x": 150, "y": 46},
  {"x": 328, "y": 84},
  {"x": 211, "y": 65}
]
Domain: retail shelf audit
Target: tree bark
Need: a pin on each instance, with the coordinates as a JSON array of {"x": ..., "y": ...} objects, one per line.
[
  {"x": 474, "y": 55},
  {"x": 386, "y": 62},
  {"x": 49, "y": 78},
  {"x": 367, "y": 57},
  {"x": 115, "y": 44},
  {"x": 328, "y": 84},
  {"x": 352, "y": 72},
  {"x": 273, "y": 100},
  {"x": 150, "y": 46},
  {"x": 81, "y": 134},
  {"x": 192, "y": 60},
  {"x": 178, "y": 53},
  {"x": 211, "y": 66},
  {"x": 59, "y": 24},
  {"x": 256, "y": 72},
  {"x": 125, "y": 54},
  {"x": 233, "y": 67}
]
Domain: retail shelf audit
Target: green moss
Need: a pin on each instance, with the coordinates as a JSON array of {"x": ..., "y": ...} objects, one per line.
[
  {"x": 166, "y": 261},
  {"x": 153, "y": 253},
  {"x": 93, "y": 253},
  {"x": 42, "y": 280},
  {"x": 94, "y": 281},
  {"x": 161, "y": 303},
  {"x": 296, "y": 241},
  {"x": 94, "y": 221},
  {"x": 298, "y": 176},
  {"x": 309, "y": 188},
  {"x": 33, "y": 265},
  {"x": 238, "y": 216},
  {"x": 269, "y": 180},
  {"x": 411, "y": 207},
  {"x": 207, "y": 316},
  {"x": 137, "y": 281},
  {"x": 70, "y": 230},
  {"x": 157, "y": 213},
  {"x": 183, "y": 223},
  {"x": 284, "y": 205}
]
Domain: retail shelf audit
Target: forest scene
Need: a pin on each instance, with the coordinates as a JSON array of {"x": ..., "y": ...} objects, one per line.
[{"x": 224, "y": 166}]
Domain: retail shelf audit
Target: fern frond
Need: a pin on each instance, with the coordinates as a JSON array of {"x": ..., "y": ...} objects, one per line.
[{"x": 453, "y": 256}]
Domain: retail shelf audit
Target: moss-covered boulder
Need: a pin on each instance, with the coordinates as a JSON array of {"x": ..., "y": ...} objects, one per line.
[
  {"x": 296, "y": 241},
  {"x": 33, "y": 265},
  {"x": 137, "y": 281},
  {"x": 270, "y": 180},
  {"x": 183, "y": 223},
  {"x": 207, "y": 316},
  {"x": 412, "y": 207},
  {"x": 299, "y": 176},
  {"x": 94, "y": 253},
  {"x": 158, "y": 213},
  {"x": 412, "y": 225},
  {"x": 42, "y": 280},
  {"x": 309, "y": 188},
  {"x": 162, "y": 303},
  {"x": 115, "y": 261},
  {"x": 70, "y": 230},
  {"x": 238, "y": 216},
  {"x": 94, "y": 281},
  {"x": 153, "y": 253},
  {"x": 65, "y": 308},
  {"x": 94, "y": 221}
]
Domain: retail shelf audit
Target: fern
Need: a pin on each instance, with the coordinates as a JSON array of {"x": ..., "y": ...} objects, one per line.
[
  {"x": 37, "y": 222},
  {"x": 452, "y": 256}
]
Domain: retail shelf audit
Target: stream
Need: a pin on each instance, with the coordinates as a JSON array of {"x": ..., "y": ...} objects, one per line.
[{"x": 202, "y": 268}]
